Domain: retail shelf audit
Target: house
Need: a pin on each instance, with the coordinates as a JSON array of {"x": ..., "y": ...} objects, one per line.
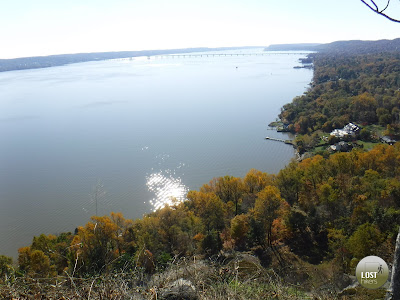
[
  {"x": 341, "y": 146},
  {"x": 386, "y": 139},
  {"x": 351, "y": 128},
  {"x": 348, "y": 130}
]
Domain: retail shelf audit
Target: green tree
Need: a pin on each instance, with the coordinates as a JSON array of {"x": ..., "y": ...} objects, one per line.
[
  {"x": 289, "y": 182},
  {"x": 239, "y": 230},
  {"x": 337, "y": 245},
  {"x": 365, "y": 241},
  {"x": 365, "y": 135}
]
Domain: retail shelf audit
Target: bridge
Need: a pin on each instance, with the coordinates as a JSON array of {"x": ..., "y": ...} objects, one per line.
[
  {"x": 226, "y": 54},
  {"x": 191, "y": 55}
]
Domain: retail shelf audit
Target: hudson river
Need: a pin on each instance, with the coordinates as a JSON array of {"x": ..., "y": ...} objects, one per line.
[{"x": 129, "y": 134}]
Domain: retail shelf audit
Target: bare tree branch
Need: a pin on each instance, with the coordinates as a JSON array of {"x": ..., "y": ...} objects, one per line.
[
  {"x": 375, "y": 8},
  {"x": 387, "y": 5}
]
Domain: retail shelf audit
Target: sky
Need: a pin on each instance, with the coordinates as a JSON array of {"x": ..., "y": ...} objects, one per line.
[{"x": 45, "y": 27}]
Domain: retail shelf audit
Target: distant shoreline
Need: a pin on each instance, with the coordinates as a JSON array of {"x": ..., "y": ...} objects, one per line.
[
  {"x": 39, "y": 62},
  {"x": 340, "y": 47}
]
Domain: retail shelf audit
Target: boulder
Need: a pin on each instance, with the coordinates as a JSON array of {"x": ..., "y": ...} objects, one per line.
[
  {"x": 350, "y": 290},
  {"x": 180, "y": 289}
]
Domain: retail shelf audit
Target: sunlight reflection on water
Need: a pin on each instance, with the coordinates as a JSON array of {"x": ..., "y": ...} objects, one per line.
[{"x": 167, "y": 189}]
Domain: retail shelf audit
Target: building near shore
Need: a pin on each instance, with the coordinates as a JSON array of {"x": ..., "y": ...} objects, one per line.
[{"x": 348, "y": 130}]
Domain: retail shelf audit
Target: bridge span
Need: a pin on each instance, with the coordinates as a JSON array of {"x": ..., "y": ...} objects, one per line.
[
  {"x": 226, "y": 54},
  {"x": 191, "y": 55}
]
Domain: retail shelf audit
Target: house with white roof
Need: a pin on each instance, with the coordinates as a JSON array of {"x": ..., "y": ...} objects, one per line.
[{"x": 348, "y": 130}]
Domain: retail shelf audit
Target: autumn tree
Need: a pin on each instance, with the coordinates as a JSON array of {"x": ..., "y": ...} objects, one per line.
[
  {"x": 364, "y": 108},
  {"x": 177, "y": 227},
  {"x": 99, "y": 242},
  {"x": 209, "y": 208},
  {"x": 269, "y": 206},
  {"x": 229, "y": 189},
  {"x": 35, "y": 263},
  {"x": 255, "y": 181}
]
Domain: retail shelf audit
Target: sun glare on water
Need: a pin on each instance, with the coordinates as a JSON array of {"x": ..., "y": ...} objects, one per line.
[{"x": 167, "y": 189}]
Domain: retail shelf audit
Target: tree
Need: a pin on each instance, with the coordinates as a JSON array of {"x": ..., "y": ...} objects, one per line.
[
  {"x": 255, "y": 181},
  {"x": 34, "y": 262},
  {"x": 239, "y": 229},
  {"x": 100, "y": 242},
  {"x": 209, "y": 208},
  {"x": 229, "y": 189},
  {"x": 365, "y": 240},
  {"x": 364, "y": 108},
  {"x": 212, "y": 242},
  {"x": 380, "y": 11},
  {"x": 177, "y": 227},
  {"x": 337, "y": 245},
  {"x": 269, "y": 206},
  {"x": 40, "y": 263},
  {"x": 365, "y": 135},
  {"x": 289, "y": 182},
  {"x": 5, "y": 266}
]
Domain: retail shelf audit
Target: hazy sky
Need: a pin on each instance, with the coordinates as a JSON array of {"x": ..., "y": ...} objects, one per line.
[{"x": 43, "y": 27}]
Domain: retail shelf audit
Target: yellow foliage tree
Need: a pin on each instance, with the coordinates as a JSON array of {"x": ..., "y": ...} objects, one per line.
[
  {"x": 209, "y": 208},
  {"x": 100, "y": 242},
  {"x": 268, "y": 207},
  {"x": 35, "y": 262}
]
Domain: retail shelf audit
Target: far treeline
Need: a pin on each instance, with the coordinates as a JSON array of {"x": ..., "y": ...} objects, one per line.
[
  {"x": 342, "y": 47},
  {"x": 337, "y": 209},
  {"x": 37, "y": 62}
]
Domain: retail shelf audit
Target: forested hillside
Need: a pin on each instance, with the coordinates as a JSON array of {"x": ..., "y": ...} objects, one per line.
[
  {"x": 348, "y": 47},
  {"x": 349, "y": 88}
]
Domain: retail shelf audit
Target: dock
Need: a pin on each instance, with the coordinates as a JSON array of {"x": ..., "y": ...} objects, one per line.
[{"x": 290, "y": 142}]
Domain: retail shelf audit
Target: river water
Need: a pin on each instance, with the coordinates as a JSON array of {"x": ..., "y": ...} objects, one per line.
[{"x": 126, "y": 135}]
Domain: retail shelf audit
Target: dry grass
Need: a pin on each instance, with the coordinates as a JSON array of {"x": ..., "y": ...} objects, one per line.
[
  {"x": 112, "y": 286},
  {"x": 239, "y": 276}
]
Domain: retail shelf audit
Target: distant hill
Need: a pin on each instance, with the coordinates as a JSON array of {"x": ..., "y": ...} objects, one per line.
[
  {"x": 64, "y": 59},
  {"x": 349, "y": 47},
  {"x": 292, "y": 47},
  {"x": 361, "y": 47}
]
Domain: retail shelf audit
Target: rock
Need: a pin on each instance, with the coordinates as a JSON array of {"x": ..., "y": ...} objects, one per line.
[
  {"x": 350, "y": 290},
  {"x": 394, "y": 290},
  {"x": 180, "y": 289},
  {"x": 345, "y": 281}
]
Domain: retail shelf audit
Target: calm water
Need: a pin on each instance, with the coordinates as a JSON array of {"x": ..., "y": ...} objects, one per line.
[{"x": 143, "y": 129}]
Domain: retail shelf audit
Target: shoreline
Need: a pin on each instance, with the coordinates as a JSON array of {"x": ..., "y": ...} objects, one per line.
[{"x": 48, "y": 61}]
